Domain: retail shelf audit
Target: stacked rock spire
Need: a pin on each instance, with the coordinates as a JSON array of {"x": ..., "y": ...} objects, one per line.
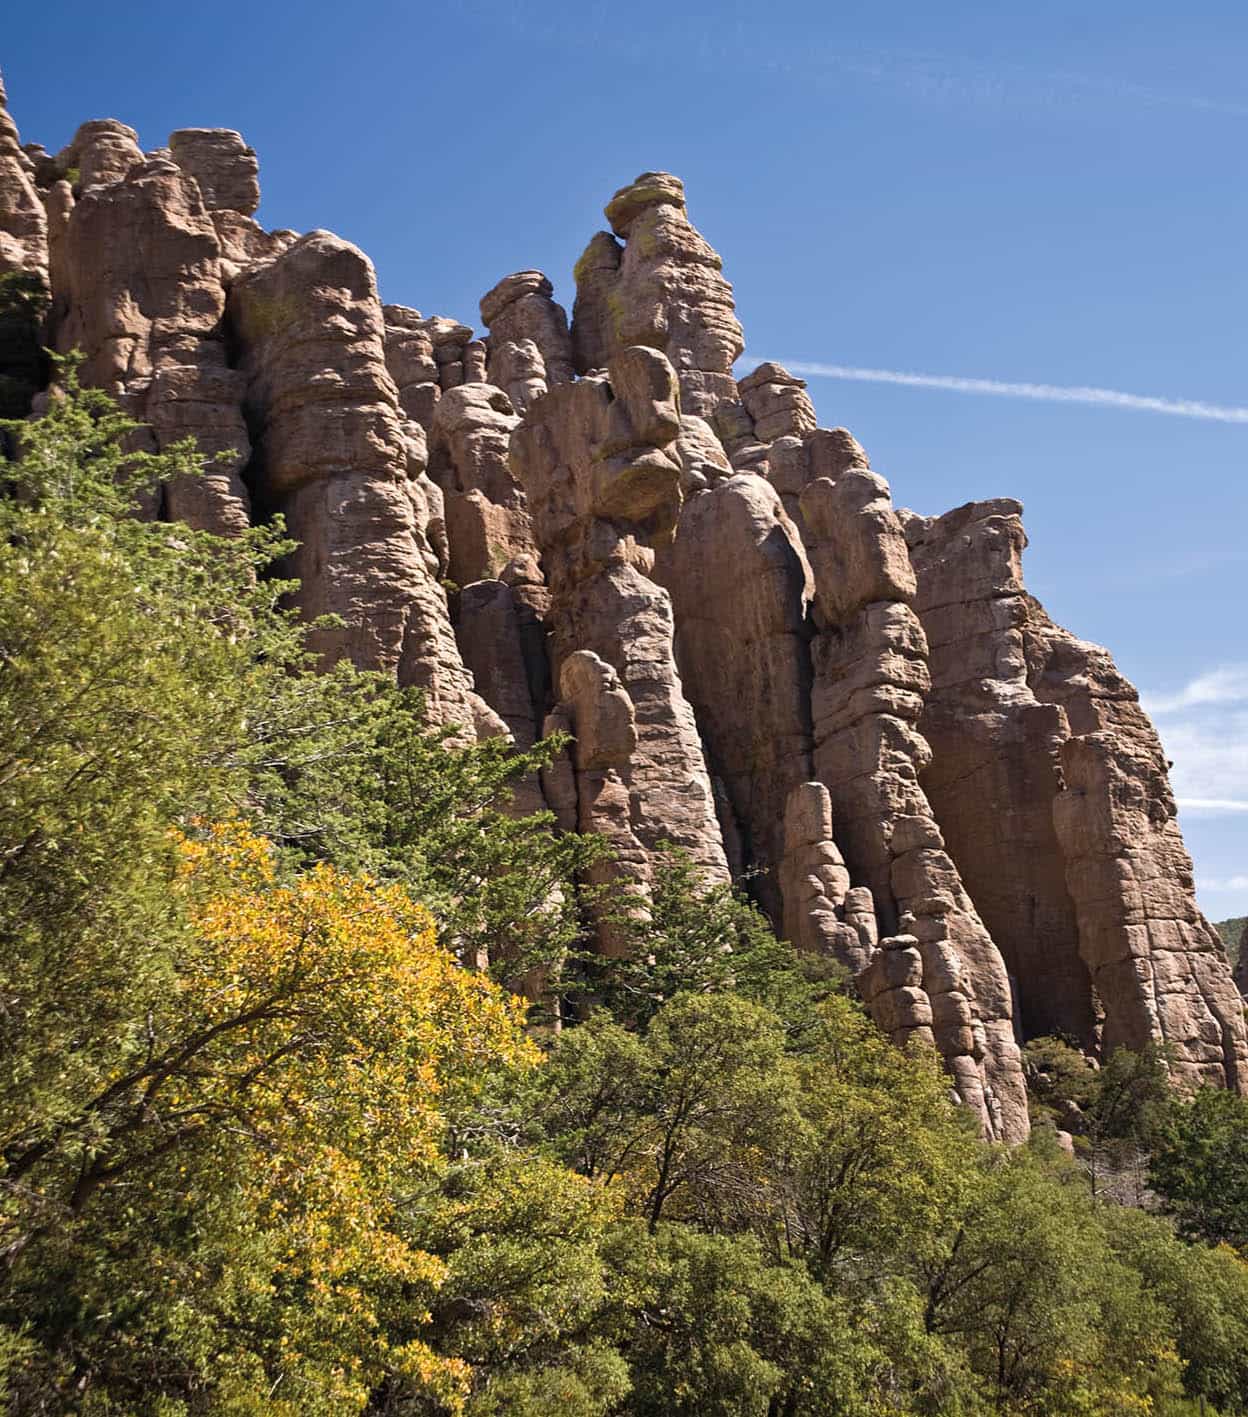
[{"x": 596, "y": 528}]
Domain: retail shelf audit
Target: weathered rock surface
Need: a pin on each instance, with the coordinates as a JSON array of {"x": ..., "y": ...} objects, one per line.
[
  {"x": 1157, "y": 965},
  {"x": 331, "y": 455},
  {"x": 870, "y": 680},
  {"x": 222, "y": 164},
  {"x": 23, "y": 271},
  {"x": 141, "y": 294},
  {"x": 759, "y": 658},
  {"x": 487, "y": 517},
  {"x": 596, "y": 460},
  {"x": 663, "y": 288},
  {"x": 1241, "y": 963},
  {"x": 994, "y": 770},
  {"x": 823, "y": 913},
  {"x": 739, "y": 584},
  {"x": 530, "y": 346},
  {"x": 23, "y": 225}
]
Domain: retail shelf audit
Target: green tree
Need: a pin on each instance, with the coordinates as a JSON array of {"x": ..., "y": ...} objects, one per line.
[
  {"x": 1026, "y": 1283},
  {"x": 684, "y": 1119},
  {"x": 709, "y": 1325},
  {"x": 1112, "y": 1111},
  {"x": 154, "y": 1253},
  {"x": 1200, "y": 1167},
  {"x": 1205, "y": 1291},
  {"x": 706, "y": 938}
]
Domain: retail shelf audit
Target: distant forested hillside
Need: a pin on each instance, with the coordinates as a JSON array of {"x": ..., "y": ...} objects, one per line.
[{"x": 1231, "y": 930}]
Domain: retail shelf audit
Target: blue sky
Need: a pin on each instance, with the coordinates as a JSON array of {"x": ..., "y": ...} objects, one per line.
[{"x": 1050, "y": 194}]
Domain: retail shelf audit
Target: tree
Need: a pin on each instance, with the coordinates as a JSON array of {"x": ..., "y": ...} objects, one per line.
[
  {"x": 1025, "y": 1282},
  {"x": 1205, "y": 1292},
  {"x": 1113, "y": 1111},
  {"x": 682, "y": 1120},
  {"x": 1200, "y": 1167},
  {"x": 710, "y": 1326},
  {"x": 700, "y": 938},
  {"x": 286, "y": 1089},
  {"x": 220, "y": 1151}
]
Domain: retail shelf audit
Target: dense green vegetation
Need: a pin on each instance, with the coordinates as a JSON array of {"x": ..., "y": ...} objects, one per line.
[
  {"x": 1232, "y": 932},
  {"x": 269, "y": 1145}
]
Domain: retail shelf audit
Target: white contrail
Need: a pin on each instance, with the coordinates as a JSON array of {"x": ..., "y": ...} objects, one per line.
[{"x": 1046, "y": 393}]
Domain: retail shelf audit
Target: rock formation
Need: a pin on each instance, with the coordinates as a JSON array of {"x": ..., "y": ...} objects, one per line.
[
  {"x": 858, "y": 711},
  {"x": 530, "y": 347},
  {"x": 664, "y": 288},
  {"x": 597, "y": 462},
  {"x": 331, "y": 456}
]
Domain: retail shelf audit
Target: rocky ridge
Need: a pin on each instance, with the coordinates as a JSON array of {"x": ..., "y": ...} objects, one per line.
[{"x": 596, "y": 527}]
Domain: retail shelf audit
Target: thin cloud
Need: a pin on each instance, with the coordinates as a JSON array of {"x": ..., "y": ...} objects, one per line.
[
  {"x": 1043, "y": 393},
  {"x": 1222, "y": 883},
  {"x": 1225, "y": 685},
  {"x": 1204, "y": 727}
]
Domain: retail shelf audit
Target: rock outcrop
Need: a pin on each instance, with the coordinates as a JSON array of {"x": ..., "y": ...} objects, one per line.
[
  {"x": 664, "y": 287},
  {"x": 1157, "y": 965},
  {"x": 597, "y": 462},
  {"x": 859, "y": 712},
  {"x": 530, "y": 346},
  {"x": 331, "y": 456},
  {"x": 23, "y": 271},
  {"x": 1241, "y": 963},
  {"x": 870, "y": 682}
]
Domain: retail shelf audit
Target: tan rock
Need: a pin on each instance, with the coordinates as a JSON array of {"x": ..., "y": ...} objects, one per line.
[
  {"x": 137, "y": 265},
  {"x": 1241, "y": 962},
  {"x": 777, "y": 403},
  {"x": 102, "y": 151},
  {"x": 994, "y": 743},
  {"x": 222, "y": 164},
  {"x": 335, "y": 460},
  {"x": 487, "y": 518},
  {"x": 870, "y": 682},
  {"x": 529, "y": 340},
  {"x": 604, "y": 488},
  {"x": 664, "y": 288},
  {"x": 23, "y": 225},
  {"x": 23, "y": 272},
  {"x": 740, "y": 584}
]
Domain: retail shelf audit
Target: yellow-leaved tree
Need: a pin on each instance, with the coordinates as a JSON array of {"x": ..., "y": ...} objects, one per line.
[{"x": 275, "y": 1120}]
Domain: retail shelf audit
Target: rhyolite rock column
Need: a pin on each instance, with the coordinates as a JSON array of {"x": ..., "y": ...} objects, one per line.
[
  {"x": 333, "y": 458},
  {"x": 871, "y": 678},
  {"x": 603, "y": 484},
  {"x": 664, "y": 287}
]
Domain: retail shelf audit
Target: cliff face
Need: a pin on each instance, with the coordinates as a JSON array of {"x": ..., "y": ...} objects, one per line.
[{"x": 597, "y": 528}]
